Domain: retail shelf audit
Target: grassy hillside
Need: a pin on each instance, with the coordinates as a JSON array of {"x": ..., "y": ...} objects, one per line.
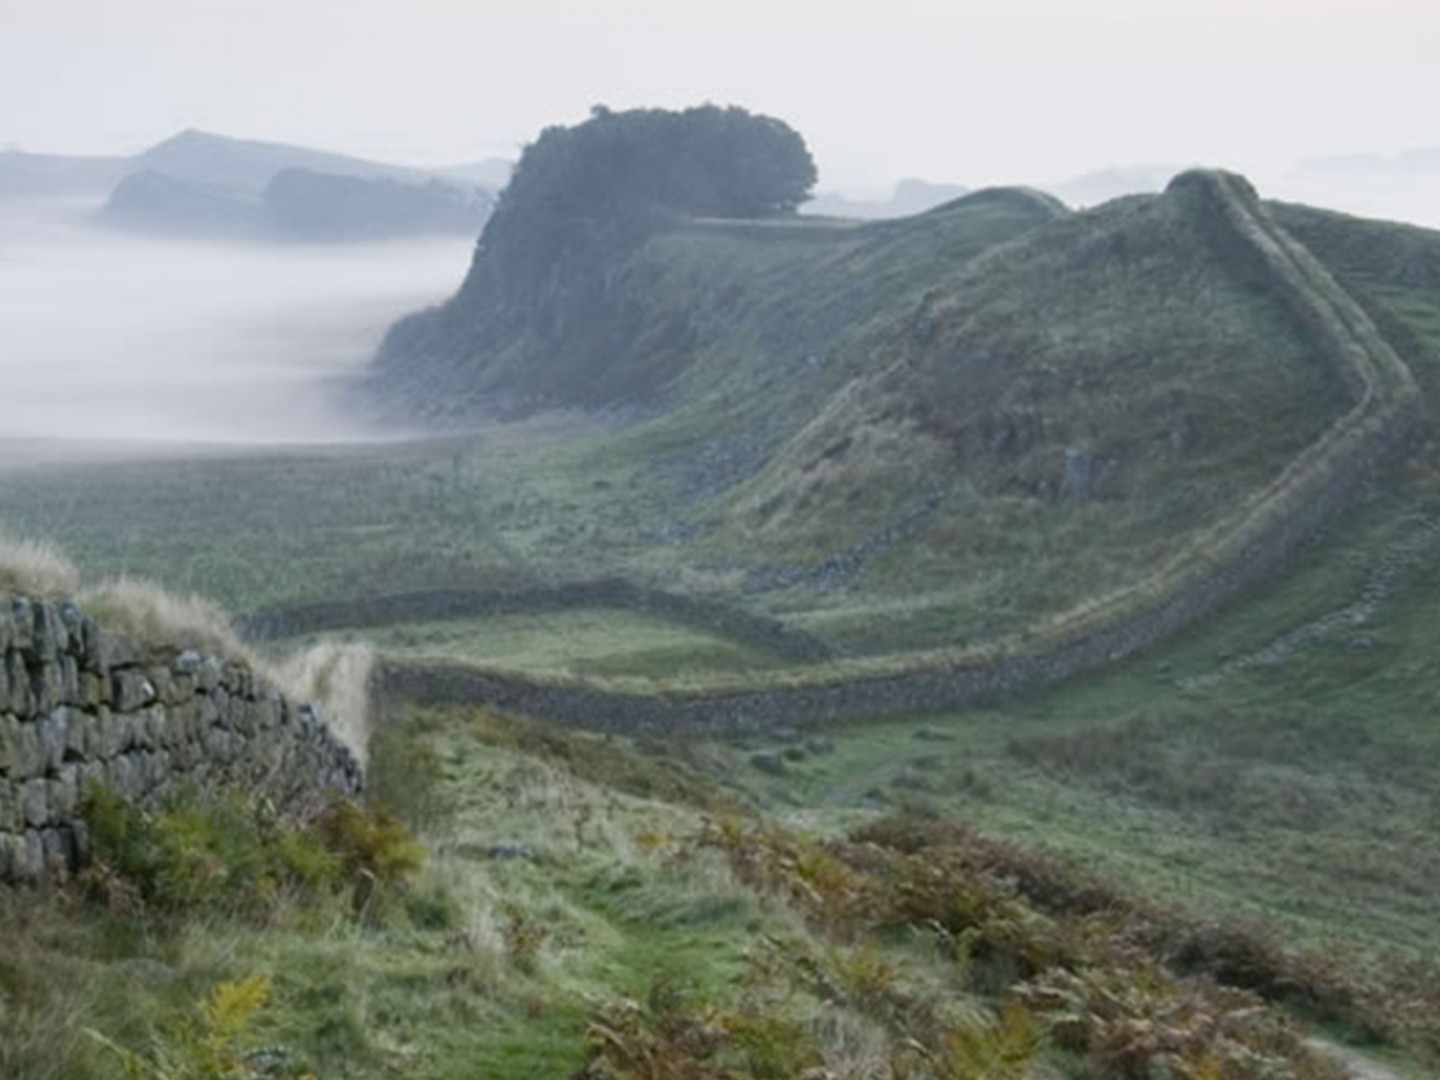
[
  {"x": 587, "y": 908},
  {"x": 864, "y": 431}
]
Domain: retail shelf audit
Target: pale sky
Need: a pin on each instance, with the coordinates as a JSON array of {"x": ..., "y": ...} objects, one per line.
[{"x": 1019, "y": 91}]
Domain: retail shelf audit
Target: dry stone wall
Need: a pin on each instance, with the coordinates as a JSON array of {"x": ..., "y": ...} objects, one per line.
[{"x": 81, "y": 705}]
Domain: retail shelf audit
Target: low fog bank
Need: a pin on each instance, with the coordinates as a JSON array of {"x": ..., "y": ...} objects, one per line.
[{"x": 108, "y": 339}]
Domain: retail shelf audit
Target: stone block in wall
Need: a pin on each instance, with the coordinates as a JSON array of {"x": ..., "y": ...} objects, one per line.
[
  {"x": 7, "y": 629},
  {"x": 22, "y": 698},
  {"x": 109, "y": 651},
  {"x": 9, "y": 736},
  {"x": 27, "y": 758},
  {"x": 207, "y": 679},
  {"x": 109, "y": 735},
  {"x": 10, "y": 816},
  {"x": 124, "y": 777},
  {"x": 69, "y": 680},
  {"x": 45, "y": 683},
  {"x": 76, "y": 737},
  {"x": 22, "y": 624},
  {"x": 56, "y": 855},
  {"x": 50, "y": 636},
  {"x": 93, "y": 691},
  {"x": 35, "y": 802},
  {"x": 131, "y": 689},
  {"x": 66, "y": 792},
  {"x": 209, "y": 711},
  {"x": 74, "y": 620},
  {"x": 53, "y": 730},
  {"x": 180, "y": 690},
  {"x": 31, "y": 864},
  {"x": 161, "y": 678},
  {"x": 184, "y": 722}
]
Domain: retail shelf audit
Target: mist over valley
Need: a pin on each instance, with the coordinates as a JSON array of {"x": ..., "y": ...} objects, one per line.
[{"x": 112, "y": 336}]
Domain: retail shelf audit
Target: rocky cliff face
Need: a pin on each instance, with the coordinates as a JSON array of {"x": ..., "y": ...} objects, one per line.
[{"x": 80, "y": 705}]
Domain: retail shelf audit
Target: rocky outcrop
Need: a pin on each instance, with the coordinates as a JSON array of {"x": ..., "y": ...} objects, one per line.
[{"x": 80, "y": 705}]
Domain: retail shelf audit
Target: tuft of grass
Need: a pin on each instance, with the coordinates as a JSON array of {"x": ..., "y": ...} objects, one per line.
[
  {"x": 337, "y": 678},
  {"x": 162, "y": 619},
  {"x": 36, "y": 568}
]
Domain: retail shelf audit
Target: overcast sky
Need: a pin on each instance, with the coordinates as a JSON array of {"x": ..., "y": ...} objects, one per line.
[{"x": 1001, "y": 91}]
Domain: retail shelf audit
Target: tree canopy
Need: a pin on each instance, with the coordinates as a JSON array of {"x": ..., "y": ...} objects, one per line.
[{"x": 606, "y": 182}]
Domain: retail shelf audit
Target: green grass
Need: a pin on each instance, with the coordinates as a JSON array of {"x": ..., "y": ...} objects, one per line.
[
  {"x": 584, "y": 642},
  {"x": 1301, "y": 792}
]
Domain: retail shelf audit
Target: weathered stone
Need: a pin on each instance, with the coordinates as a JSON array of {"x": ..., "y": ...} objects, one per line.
[
  {"x": 50, "y": 635},
  {"x": 9, "y": 735},
  {"x": 45, "y": 683},
  {"x": 182, "y": 689},
  {"x": 35, "y": 802},
  {"x": 53, "y": 730},
  {"x": 22, "y": 698},
  {"x": 124, "y": 776},
  {"x": 77, "y": 735},
  {"x": 132, "y": 690},
  {"x": 188, "y": 662},
  {"x": 110, "y": 733},
  {"x": 55, "y": 856},
  {"x": 92, "y": 691},
  {"x": 31, "y": 865},
  {"x": 113, "y": 651},
  {"x": 29, "y": 758},
  {"x": 22, "y": 624},
  {"x": 162, "y": 680},
  {"x": 152, "y": 726},
  {"x": 208, "y": 677},
  {"x": 268, "y": 712},
  {"x": 69, "y": 680},
  {"x": 65, "y": 792},
  {"x": 89, "y": 640},
  {"x": 7, "y": 627},
  {"x": 74, "y": 622},
  {"x": 232, "y": 677},
  {"x": 10, "y": 816},
  {"x": 80, "y": 833}
]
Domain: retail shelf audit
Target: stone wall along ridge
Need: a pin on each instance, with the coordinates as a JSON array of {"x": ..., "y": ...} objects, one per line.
[{"x": 1237, "y": 553}]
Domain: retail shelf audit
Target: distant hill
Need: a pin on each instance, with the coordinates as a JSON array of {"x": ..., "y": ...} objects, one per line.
[
  {"x": 202, "y": 185},
  {"x": 1102, "y": 185},
  {"x": 25, "y": 175},
  {"x": 245, "y": 166},
  {"x": 909, "y": 197},
  {"x": 296, "y": 205}
]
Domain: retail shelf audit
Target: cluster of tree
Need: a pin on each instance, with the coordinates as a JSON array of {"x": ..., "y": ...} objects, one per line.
[
  {"x": 607, "y": 182},
  {"x": 551, "y": 307}
]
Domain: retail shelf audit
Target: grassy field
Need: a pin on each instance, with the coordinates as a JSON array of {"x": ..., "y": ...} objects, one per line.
[
  {"x": 583, "y": 642},
  {"x": 586, "y": 900},
  {"x": 1224, "y": 773}
]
